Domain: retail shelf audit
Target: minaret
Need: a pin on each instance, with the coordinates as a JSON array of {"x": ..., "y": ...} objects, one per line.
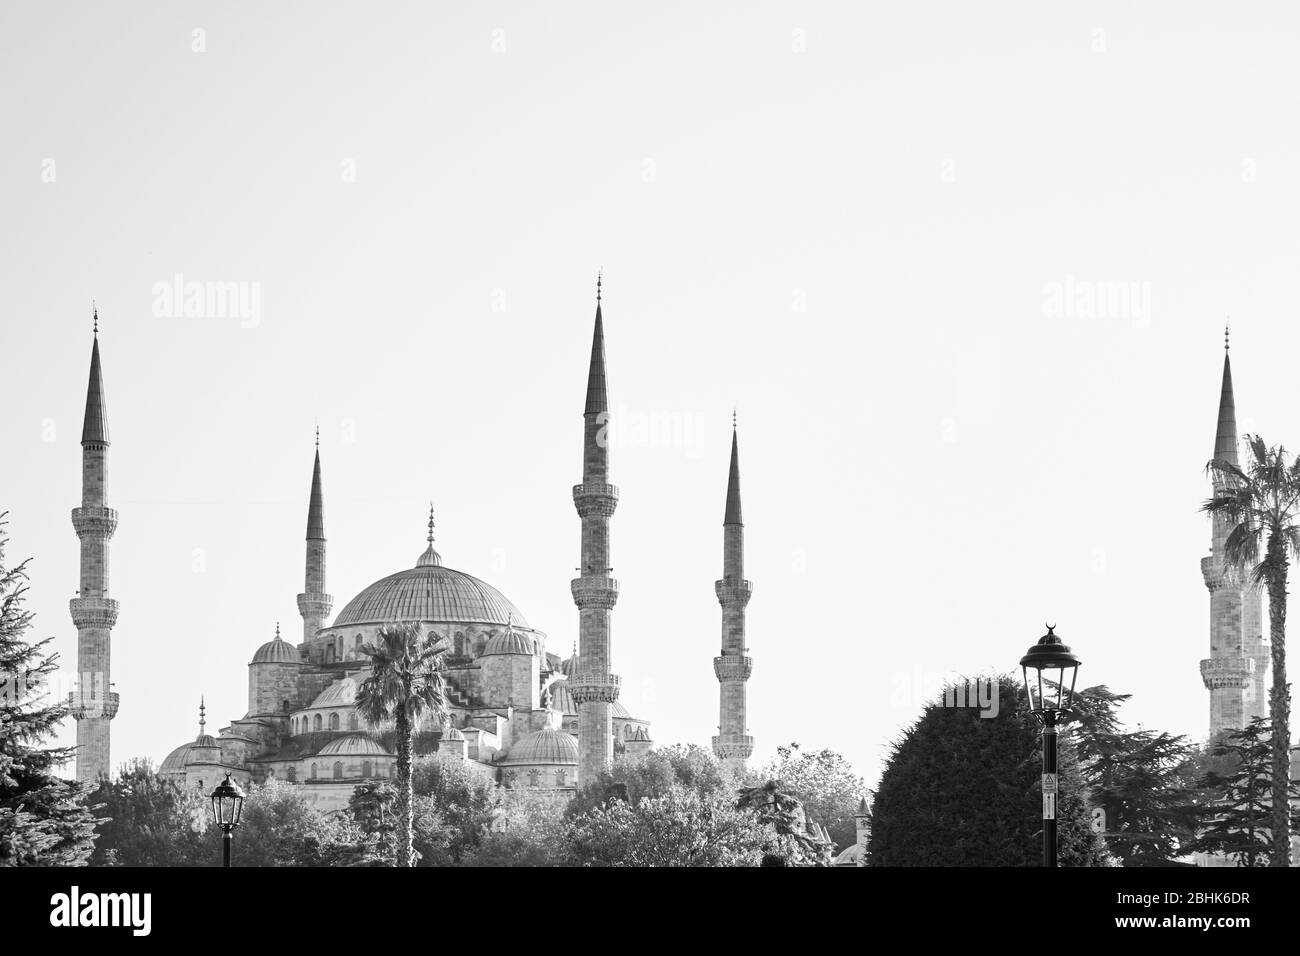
[
  {"x": 594, "y": 686},
  {"x": 314, "y": 604},
  {"x": 733, "y": 745},
  {"x": 93, "y": 704},
  {"x": 1229, "y": 673}
]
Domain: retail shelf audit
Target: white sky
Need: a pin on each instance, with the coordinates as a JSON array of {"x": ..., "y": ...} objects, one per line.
[{"x": 847, "y": 218}]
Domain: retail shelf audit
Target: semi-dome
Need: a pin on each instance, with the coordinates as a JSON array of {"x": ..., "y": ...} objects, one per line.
[
  {"x": 175, "y": 761},
  {"x": 341, "y": 693},
  {"x": 430, "y": 592},
  {"x": 545, "y": 747},
  {"x": 353, "y": 745},
  {"x": 562, "y": 699},
  {"x": 619, "y": 712},
  {"x": 508, "y": 641},
  {"x": 277, "y": 651}
]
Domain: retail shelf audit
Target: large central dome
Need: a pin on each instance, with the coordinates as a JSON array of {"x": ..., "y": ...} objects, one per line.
[{"x": 430, "y": 592}]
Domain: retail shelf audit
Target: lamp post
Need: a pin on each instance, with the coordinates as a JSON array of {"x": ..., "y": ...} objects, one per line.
[
  {"x": 227, "y": 804},
  {"x": 1053, "y": 668}
]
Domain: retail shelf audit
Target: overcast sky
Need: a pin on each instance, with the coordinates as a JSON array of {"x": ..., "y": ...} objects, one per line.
[{"x": 963, "y": 268}]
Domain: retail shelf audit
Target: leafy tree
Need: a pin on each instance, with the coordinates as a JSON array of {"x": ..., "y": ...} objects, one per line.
[
  {"x": 1137, "y": 778},
  {"x": 825, "y": 784},
  {"x": 522, "y": 833},
  {"x": 1240, "y": 818},
  {"x": 678, "y": 828},
  {"x": 785, "y": 815},
  {"x": 464, "y": 803},
  {"x": 406, "y": 684},
  {"x": 43, "y": 819},
  {"x": 1261, "y": 503},
  {"x": 653, "y": 774},
  {"x": 961, "y": 789},
  {"x": 373, "y": 809},
  {"x": 147, "y": 820},
  {"x": 281, "y": 827}
]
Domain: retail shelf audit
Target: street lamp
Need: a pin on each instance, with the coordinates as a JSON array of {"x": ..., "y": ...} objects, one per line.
[
  {"x": 227, "y": 804},
  {"x": 1054, "y": 669}
]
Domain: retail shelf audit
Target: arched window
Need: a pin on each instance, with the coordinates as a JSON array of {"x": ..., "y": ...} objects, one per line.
[
  {"x": 284, "y": 706},
  {"x": 627, "y": 732},
  {"x": 352, "y": 722},
  {"x": 329, "y": 654},
  {"x": 293, "y": 774},
  {"x": 313, "y": 771},
  {"x": 460, "y": 643},
  {"x": 334, "y": 721},
  {"x": 316, "y": 723},
  {"x": 533, "y": 777},
  {"x": 479, "y": 643},
  {"x": 559, "y": 778},
  {"x": 365, "y": 768},
  {"x": 338, "y": 770}
]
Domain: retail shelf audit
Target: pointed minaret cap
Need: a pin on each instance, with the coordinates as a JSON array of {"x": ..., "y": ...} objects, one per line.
[
  {"x": 94, "y": 430},
  {"x": 316, "y": 506},
  {"x": 597, "y": 390},
  {"x": 732, "y": 515},
  {"x": 1225, "y": 436},
  {"x": 430, "y": 558}
]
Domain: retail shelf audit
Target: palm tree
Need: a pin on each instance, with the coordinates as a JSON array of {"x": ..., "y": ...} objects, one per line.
[
  {"x": 405, "y": 685},
  {"x": 1260, "y": 504}
]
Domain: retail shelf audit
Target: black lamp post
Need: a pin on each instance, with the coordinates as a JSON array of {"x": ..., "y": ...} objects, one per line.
[
  {"x": 227, "y": 804},
  {"x": 1049, "y": 668}
]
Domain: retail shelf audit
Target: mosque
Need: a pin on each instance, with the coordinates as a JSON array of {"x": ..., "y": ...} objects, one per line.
[{"x": 517, "y": 712}]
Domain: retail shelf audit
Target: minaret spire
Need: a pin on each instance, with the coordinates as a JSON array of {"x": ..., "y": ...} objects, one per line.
[
  {"x": 732, "y": 666},
  {"x": 1236, "y": 671},
  {"x": 202, "y": 715},
  {"x": 94, "y": 704},
  {"x": 594, "y": 685},
  {"x": 314, "y": 604}
]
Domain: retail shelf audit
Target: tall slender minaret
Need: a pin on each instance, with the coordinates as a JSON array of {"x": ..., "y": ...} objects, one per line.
[
  {"x": 594, "y": 686},
  {"x": 733, "y": 744},
  {"x": 314, "y": 604},
  {"x": 93, "y": 703},
  {"x": 1233, "y": 673}
]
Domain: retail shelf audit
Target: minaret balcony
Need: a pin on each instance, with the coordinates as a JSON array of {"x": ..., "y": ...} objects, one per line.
[
  {"x": 1232, "y": 673},
  {"x": 315, "y": 605},
  {"x": 733, "y": 667},
  {"x": 599, "y": 593},
  {"x": 595, "y": 686},
  {"x": 83, "y": 707},
  {"x": 93, "y": 612},
  {"x": 94, "y": 521},
  {"x": 733, "y": 591},
  {"x": 595, "y": 498},
  {"x": 733, "y": 746}
]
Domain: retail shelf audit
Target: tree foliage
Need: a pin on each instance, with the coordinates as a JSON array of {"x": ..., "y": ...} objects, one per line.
[
  {"x": 44, "y": 820},
  {"x": 825, "y": 784},
  {"x": 145, "y": 819},
  {"x": 961, "y": 789}
]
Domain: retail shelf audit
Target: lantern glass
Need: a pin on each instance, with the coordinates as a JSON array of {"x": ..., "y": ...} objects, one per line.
[
  {"x": 227, "y": 804},
  {"x": 1050, "y": 671}
]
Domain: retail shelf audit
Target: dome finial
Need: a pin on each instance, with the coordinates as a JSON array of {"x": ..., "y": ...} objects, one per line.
[
  {"x": 430, "y": 556},
  {"x": 430, "y": 537},
  {"x": 94, "y": 311},
  {"x": 1226, "y": 323},
  {"x": 600, "y": 273},
  {"x": 203, "y": 720},
  {"x": 277, "y": 630}
]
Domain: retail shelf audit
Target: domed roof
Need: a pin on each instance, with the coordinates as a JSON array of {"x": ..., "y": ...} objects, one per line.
[
  {"x": 451, "y": 732},
  {"x": 508, "y": 641},
  {"x": 204, "y": 740},
  {"x": 545, "y": 747},
  {"x": 176, "y": 760},
  {"x": 562, "y": 699},
  {"x": 352, "y": 745},
  {"x": 430, "y": 592},
  {"x": 277, "y": 651},
  {"x": 570, "y": 665},
  {"x": 341, "y": 693},
  {"x": 619, "y": 712}
]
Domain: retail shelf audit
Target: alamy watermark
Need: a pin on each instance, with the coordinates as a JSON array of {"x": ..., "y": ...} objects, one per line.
[
  {"x": 1091, "y": 299},
  {"x": 919, "y": 688},
  {"x": 182, "y": 299}
]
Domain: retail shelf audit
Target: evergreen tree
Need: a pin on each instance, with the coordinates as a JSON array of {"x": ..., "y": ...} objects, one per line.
[
  {"x": 962, "y": 789},
  {"x": 43, "y": 819},
  {"x": 1239, "y": 820},
  {"x": 1136, "y": 778}
]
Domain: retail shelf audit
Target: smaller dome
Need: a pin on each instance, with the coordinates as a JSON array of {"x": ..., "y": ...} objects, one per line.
[
  {"x": 341, "y": 693},
  {"x": 508, "y": 641},
  {"x": 545, "y": 747},
  {"x": 352, "y": 745},
  {"x": 619, "y": 712},
  {"x": 278, "y": 651},
  {"x": 176, "y": 760},
  {"x": 204, "y": 740},
  {"x": 570, "y": 666},
  {"x": 562, "y": 699},
  {"x": 451, "y": 733}
]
